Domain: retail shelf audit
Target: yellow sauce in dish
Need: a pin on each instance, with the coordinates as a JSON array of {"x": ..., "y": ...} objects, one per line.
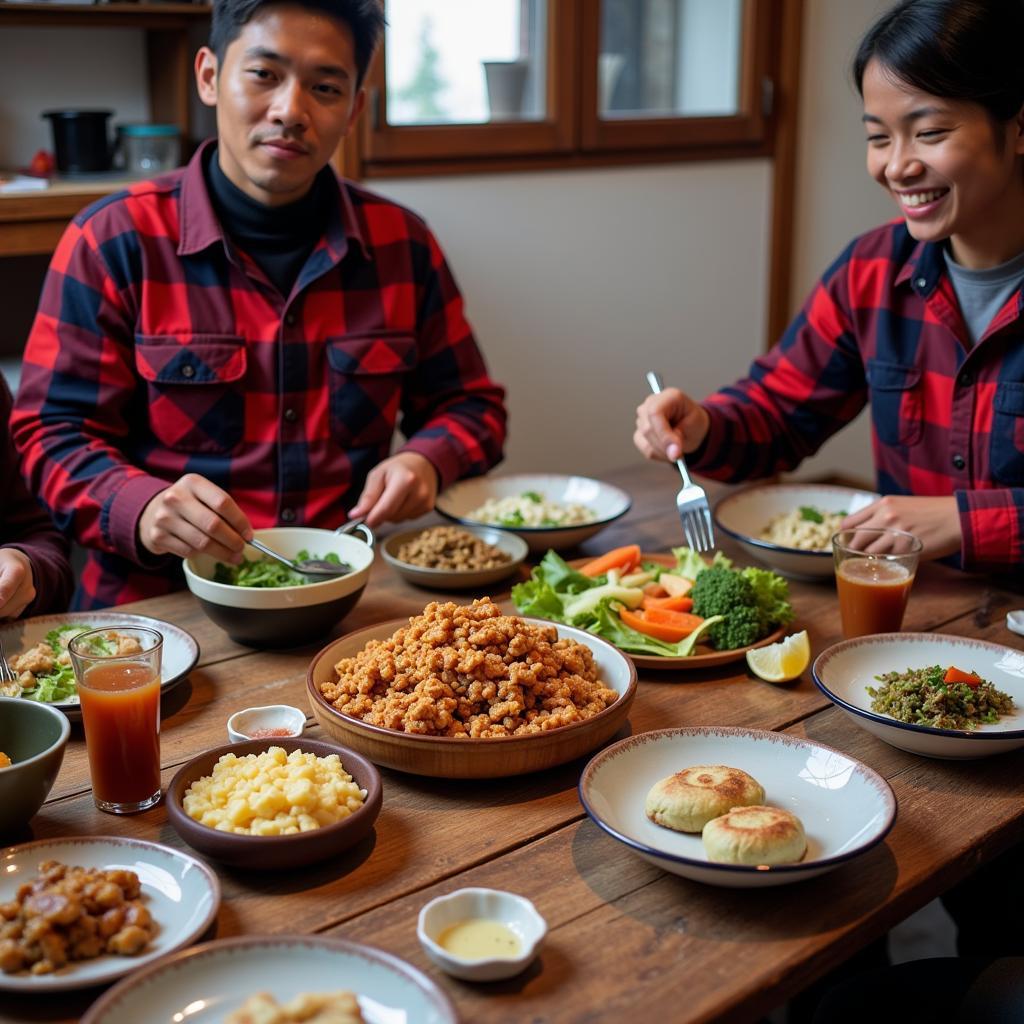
[{"x": 481, "y": 939}]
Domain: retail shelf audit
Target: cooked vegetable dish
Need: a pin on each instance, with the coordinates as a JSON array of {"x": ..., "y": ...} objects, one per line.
[
  {"x": 265, "y": 572},
  {"x": 942, "y": 698}
]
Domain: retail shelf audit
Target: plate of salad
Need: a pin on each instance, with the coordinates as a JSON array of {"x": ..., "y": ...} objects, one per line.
[
  {"x": 44, "y": 639},
  {"x": 675, "y": 610}
]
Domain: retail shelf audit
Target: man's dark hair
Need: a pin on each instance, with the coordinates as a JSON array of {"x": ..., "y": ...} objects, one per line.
[
  {"x": 957, "y": 49},
  {"x": 365, "y": 19}
]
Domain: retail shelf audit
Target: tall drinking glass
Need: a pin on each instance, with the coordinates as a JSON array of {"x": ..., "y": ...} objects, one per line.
[
  {"x": 117, "y": 670},
  {"x": 874, "y": 573}
]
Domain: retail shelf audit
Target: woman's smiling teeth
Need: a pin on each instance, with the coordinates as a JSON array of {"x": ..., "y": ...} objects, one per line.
[{"x": 920, "y": 198}]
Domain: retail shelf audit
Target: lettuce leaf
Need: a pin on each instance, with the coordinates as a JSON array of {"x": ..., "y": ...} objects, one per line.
[{"x": 772, "y": 594}]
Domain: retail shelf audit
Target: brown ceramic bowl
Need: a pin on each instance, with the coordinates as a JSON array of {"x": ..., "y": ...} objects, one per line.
[
  {"x": 272, "y": 852},
  {"x": 444, "y": 757}
]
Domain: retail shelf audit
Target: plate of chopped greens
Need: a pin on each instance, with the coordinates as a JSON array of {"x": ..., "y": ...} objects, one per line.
[
  {"x": 36, "y": 649},
  {"x": 928, "y": 693},
  {"x": 665, "y": 611}
]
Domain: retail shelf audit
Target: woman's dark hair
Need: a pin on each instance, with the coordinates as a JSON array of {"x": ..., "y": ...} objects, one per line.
[
  {"x": 365, "y": 19},
  {"x": 958, "y": 49}
]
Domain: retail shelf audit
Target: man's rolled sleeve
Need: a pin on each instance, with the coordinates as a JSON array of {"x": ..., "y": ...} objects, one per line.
[{"x": 121, "y": 515}]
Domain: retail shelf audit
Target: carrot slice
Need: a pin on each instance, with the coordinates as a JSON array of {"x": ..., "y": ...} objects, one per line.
[
  {"x": 956, "y": 675},
  {"x": 670, "y": 604},
  {"x": 623, "y": 558},
  {"x": 668, "y": 631},
  {"x": 678, "y": 620}
]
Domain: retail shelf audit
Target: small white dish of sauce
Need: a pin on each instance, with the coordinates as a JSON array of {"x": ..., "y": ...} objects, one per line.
[
  {"x": 272, "y": 721},
  {"x": 481, "y": 934}
]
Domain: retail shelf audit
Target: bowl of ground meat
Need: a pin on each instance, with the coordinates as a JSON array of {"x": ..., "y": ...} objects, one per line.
[
  {"x": 454, "y": 557},
  {"x": 466, "y": 691}
]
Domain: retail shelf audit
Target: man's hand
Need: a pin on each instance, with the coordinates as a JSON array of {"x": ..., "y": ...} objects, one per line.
[
  {"x": 934, "y": 521},
  {"x": 668, "y": 424},
  {"x": 401, "y": 487},
  {"x": 194, "y": 516},
  {"x": 17, "y": 589}
]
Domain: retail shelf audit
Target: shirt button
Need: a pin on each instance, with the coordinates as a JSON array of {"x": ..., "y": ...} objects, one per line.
[
  {"x": 289, "y": 319},
  {"x": 965, "y": 380},
  {"x": 290, "y": 415},
  {"x": 188, "y": 371},
  {"x": 959, "y": 462},
  {"x": 288, "y": 515},
  {"x": 921, "y": 282}
]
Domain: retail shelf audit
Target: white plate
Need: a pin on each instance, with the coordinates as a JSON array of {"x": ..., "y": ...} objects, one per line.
[
  {"x": 205, "y": 984},
  {"x": 607, "y": 502},
  {"x": 744, "y": 514},
  {"x": 846, "y": 808},
  {"x": 181, "y": 893},
  {"x": 844, "y": 671},
  {"x": 180, "y": 653}
]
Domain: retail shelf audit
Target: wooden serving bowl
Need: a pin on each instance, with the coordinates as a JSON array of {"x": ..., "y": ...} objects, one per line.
[{"x": 449, "y": 758}]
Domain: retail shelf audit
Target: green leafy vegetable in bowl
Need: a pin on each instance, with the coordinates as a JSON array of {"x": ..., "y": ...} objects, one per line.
[
  {"x": 265, "y": 572},
  {"x": 45, "y": 673}
]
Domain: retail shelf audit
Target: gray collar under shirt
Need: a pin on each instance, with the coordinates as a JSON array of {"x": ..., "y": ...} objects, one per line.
[{"x": 982, "y": 293}]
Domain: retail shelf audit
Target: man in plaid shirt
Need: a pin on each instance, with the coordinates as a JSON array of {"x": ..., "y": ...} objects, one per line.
[{"x": 234, "y": 344}]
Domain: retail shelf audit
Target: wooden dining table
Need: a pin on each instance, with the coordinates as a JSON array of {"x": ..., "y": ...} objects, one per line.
[{"x": 625, "y": 940}]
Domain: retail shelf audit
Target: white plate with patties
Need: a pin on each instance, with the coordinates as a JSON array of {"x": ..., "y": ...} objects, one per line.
[
  {"x": 587, "y": 505},
  {"x": 180, "y": 892},
  {"x": 179, "y": 656},
  {"x": 206, "y": 984},
  {"x": 845, "y": 670},
  {"x": 745, "y": 514},
  {"x": 845, "y": 807}
]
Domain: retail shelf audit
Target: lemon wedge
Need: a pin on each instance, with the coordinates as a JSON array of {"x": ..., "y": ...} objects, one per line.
[{"x": 778, "y": 663}]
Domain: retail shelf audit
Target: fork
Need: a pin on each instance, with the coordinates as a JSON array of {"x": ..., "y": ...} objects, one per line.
[
  {"x": 7, "y": 674},
  {"x": 691, "y": 501}
]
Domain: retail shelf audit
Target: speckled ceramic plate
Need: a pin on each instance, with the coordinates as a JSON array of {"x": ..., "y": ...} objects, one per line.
[
  {"x": 180, "y": 653},
  {"x": 846, "y": 808},
  {"x": 845, "y": 670},
  {"x": 205, "y": 984},
  {"x": 180, "y": 892}
]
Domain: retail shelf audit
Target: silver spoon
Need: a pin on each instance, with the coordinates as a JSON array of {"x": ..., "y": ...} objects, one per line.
[{"x": 308, "y": 566}]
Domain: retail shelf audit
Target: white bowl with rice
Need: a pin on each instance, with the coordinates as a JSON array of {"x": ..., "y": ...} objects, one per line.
[
  {"x": 789, "y": 527},
  {"x": 548, "y": 510}
]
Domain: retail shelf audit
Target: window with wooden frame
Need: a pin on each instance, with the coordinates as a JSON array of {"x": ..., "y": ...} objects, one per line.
[{"x": 471, "y": 85}]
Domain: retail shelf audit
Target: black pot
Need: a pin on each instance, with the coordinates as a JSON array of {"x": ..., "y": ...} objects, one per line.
[{"x": 80, "y": 140}]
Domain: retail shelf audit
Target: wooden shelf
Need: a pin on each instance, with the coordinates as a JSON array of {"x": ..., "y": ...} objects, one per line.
[{"x": 112, "y": 15}]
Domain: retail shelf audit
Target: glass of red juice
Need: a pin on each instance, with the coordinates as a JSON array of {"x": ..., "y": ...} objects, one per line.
[
  {"x": 117, "y": 671},
  {"x": 874, "y": 573}
]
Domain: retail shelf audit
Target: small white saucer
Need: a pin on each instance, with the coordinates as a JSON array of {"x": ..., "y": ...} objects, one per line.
[
  {"x": 1015, "y": 621},
  {"x": 242, "y": 724},
  {"x": 517, "y": 913}
]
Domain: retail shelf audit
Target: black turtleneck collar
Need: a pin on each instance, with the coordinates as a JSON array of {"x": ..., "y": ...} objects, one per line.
[{"x": 278, "y": 238}]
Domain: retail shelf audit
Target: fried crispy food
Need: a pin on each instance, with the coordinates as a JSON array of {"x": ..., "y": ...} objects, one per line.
[
  {"x": 72, "y": 913},
  {"x": 305, "y": 1008},
  {"x": 470, "y": 672}
]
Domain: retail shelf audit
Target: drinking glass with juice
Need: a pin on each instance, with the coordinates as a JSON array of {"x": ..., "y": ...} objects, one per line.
[
  {"x": 874, "y": 573},
  {"x": 117, "y": 671}
]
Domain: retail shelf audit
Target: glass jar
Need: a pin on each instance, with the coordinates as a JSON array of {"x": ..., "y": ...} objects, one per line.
[{"x": 149, "y": 148}]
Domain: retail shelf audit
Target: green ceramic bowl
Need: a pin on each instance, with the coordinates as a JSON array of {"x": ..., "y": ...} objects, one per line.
[{"x": 33, "y": 736}]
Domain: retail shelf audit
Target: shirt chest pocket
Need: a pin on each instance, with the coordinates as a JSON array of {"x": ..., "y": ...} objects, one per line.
[
  {"x": 1007, "y": 450},
  {"x": 196, "y": 400},
  {"x": 896, "y": 402},
  {"x": 366, "y": 378}
]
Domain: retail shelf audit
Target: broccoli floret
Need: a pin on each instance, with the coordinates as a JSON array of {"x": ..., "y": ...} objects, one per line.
[{"x": 721, "y": 591}]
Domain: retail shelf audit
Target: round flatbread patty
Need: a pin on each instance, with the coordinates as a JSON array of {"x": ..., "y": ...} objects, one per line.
[
  {"x": 755, "y": 835},
  {"x": 688, "y": 800}
]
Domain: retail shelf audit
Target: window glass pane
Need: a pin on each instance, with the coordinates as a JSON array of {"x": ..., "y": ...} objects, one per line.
[
  {"x": 465, "y": 61},
  {"x": 669, "y": 58}
]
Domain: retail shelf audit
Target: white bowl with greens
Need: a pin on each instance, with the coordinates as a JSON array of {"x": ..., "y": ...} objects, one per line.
[
  {"x": 548, "y": 510},
  {"x": 56, "y": 685},
  {"x": 745, "y": 514},
  {"x": 281, "y": 609}
]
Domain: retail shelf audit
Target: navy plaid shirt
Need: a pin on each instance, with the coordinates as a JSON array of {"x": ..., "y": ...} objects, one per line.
[
  {"x": 160, "y": 349},
  {"x": 883, "y": 326}
]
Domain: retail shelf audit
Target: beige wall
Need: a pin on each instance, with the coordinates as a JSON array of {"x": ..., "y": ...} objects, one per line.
[{"x": 576, "y": 282}]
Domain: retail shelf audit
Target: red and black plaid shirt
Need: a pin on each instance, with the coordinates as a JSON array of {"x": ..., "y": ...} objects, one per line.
[
  {"x": 160, "y": 349},
  {"x": 883, "y": 325}
]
